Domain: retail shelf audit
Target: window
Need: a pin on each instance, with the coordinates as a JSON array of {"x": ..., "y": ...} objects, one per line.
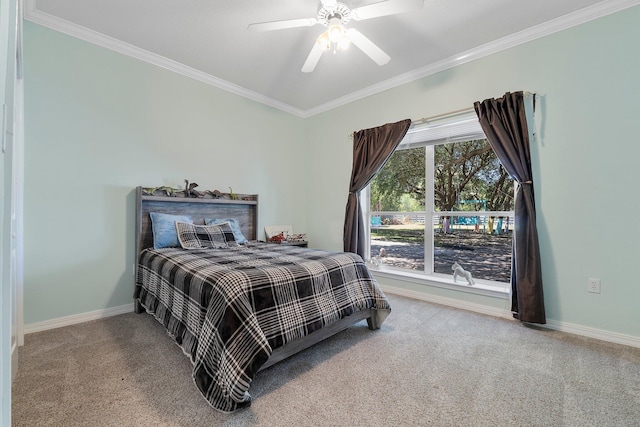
[{"x": 443, "y": 198}]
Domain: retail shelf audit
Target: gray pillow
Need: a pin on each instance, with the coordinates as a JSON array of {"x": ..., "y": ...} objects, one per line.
[
  {"x": 217, "y": 236},
  {"x": 235, "y": 227}
]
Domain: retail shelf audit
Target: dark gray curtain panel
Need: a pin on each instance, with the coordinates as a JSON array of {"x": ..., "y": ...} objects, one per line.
[
  {"x": 505, "y": 125},
  {"x": 371, "y": 150}
]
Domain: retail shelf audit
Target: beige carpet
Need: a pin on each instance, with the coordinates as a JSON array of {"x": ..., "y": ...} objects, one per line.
[{"x": 428, "y": 366}]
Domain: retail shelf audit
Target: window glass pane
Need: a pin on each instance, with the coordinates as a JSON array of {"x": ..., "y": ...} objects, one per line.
[
  {"x": 399, "y": 186},
  {"x": 469, "y": 178},
  {"x": 398, "y": 241},
  {"x": 481, "y": 245},
  {"x": 398, "y": 194}
]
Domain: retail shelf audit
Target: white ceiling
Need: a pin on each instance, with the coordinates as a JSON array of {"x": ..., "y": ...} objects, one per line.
[{"x": 210, "y": 41}]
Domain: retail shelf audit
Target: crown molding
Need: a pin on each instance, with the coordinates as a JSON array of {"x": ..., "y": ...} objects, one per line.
[
  {"x": 82, "y": 33},
  {"x": 564, "y": 22},
  {"x": 570, "y": 20}
]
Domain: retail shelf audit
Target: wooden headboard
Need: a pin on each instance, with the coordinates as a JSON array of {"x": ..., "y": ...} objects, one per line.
[{"x": 244, "y": 209}]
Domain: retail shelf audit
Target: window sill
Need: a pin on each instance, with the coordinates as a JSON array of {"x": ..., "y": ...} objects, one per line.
[{"x": 491, "y": 289}]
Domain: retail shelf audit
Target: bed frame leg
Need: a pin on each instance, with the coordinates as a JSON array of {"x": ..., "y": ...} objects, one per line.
[
  {"x": 371, "y": 322},
  {"x": 376, "y": 318}
]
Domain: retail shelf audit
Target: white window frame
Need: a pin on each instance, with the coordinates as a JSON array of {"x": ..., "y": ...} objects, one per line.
[{"x": 459, "y": 127}]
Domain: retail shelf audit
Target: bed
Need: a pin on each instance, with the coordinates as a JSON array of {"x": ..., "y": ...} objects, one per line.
[{"x": 237, "y": 310}]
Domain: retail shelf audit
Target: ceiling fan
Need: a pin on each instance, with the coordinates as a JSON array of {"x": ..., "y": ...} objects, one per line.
[{"x": 335, "y": 15}]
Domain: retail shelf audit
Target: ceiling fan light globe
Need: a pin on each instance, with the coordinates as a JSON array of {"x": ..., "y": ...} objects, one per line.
[
  {"x": 323, "y": 40},
  {"x": 336, "y": 33}
]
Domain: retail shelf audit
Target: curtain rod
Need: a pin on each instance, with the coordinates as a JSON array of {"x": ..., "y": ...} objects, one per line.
[
  {"x": 455, "y": 113},
  {"x": 439, "y": 116}
]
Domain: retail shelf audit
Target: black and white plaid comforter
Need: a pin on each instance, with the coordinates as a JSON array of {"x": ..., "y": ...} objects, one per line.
[{"x": 229, "y": 308}]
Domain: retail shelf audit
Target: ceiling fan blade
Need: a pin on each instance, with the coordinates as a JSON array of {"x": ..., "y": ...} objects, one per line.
[
  {"x": 368, "y": 47},
  {"x": 313, "y": 58},
  {"x": 280, "y": 25},
  {"x": 384, "y": 8}
]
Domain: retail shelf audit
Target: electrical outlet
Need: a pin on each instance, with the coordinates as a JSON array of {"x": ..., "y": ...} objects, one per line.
[{"x": 593, "y": 285}]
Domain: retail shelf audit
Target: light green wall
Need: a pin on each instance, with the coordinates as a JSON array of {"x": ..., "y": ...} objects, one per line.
[
  {"x": 98, "y": 124},
  {"x": 584, "y": 159}
]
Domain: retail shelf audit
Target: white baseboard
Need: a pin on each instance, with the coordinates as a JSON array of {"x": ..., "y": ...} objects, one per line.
[
  {"x": 571, "y": 328},
  {"x": 77, "y": 318},
  {"x": 449, "y": 302},
  {"x": 589, "y": 332}
]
